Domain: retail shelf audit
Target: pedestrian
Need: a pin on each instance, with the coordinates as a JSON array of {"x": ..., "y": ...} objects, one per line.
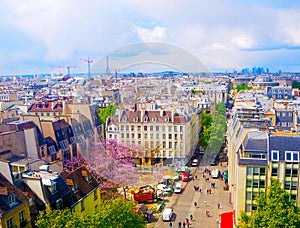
[
  {"x": 219, "y": 205},
  {"x": 183, "y": 224},
  {"x": 191, "y": 217},
  {"x": 170, "y": 224},
  {"x": 196, "y": 177},
  {"x": 205, "y": 203},
  {"x": 179, "y": 224},
  {"x": 207, "y": 191},
  {"x": 206, "y": 213},
  {"x": 210, "y": 190},
  {"x": 195, "y": 204}
]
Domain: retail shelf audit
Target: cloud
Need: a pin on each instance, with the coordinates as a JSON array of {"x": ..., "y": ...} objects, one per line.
[
  {"x": 158, "y": 33},
  {"x": 223, "y": 33}
]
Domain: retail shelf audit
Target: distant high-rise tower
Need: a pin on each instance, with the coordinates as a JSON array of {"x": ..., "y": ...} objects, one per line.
[{"x": 107, "y": 66}]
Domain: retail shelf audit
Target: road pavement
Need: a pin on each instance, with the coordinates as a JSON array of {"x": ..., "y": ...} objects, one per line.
[{"x": 183, "y": 204}]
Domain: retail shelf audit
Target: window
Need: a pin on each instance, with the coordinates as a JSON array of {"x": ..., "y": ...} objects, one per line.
[
  {"x": 262, "y": 171},
  {"x": 145, "y": 128},
  {"x": 163, "y": 128},
  {"x": 287, "y": 185},
  {"x": 10, "y": 222},
  {"x": 294, "y": 185},
  {"x": 122, "y": 127},
  {"x": 82, "y": 205},
  {"x": 59, "y": 204},
  {"x": 22, "y": 216},
  {"x": 292, "y": 156},
  {"x": 262, "y": 183},
  {"x": 127, "y": 128},
  {"x": 288, "y": 172},
  {"x": 249, "y": 170},
  {"x": 132, "y": 128},
  {"x": 95, "y": 195},
  {"x": 274, "y": 171},
  {"x": 181, "y": 128},
  {"x": 169, "y": 128},
  {"x": 275, "y": 155},
  {"x": 52, "y": 188},
  {"x": 151, "y": 128},
  {"x": 164, "y": 136},
  {"x": 139, "y": 135},
  {"x": 170, "y": 136},
  {"x": 175, "y": 128},
  {"x": 12, "y": 199},
  {"x": 255, "y": 183},
  {"x": 255, "y": 170},
  {"x": 139, "y": 128},
  {"x": 248, "y": 207},
  {"x": 248, "y": 195},
  {"x": 157, "y": 128},
  {"x": 249, "y": 183},
  {"x": 170, "y": 145}
]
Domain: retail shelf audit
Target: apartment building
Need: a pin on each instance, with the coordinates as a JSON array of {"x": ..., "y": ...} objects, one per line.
[
  {"x": 255, "y": 157},
  {"x": 163, "y": 136}
]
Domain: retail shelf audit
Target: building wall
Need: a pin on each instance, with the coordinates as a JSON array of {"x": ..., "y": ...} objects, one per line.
[
  {"x": 89, "y": 203},
  {"x": 14, "y": 214},
  {"x": 31, "y": 143}
]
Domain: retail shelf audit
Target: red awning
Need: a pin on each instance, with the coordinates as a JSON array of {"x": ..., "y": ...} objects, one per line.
[{"x": 226, "y": 220}]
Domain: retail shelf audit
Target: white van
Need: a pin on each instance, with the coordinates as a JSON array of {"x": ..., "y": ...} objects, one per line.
[
  {"x": 178, "y": 188},
  {"x": 215, "y": 173},
  {"x": 167, "y": 214}
]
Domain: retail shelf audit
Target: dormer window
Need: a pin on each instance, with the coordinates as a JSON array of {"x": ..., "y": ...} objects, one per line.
[
  {"x": 167, "y": 119},
  {"x": 145, "y": 119},
  {"x": 75, "y": 188},
  {"x": 89, "y": 178},
  {"x": 52, "y": 188},
  {"x": 124, "y": 119},
  {"x": 135, "y": 119},
  {"x": 12, "y": 199},
  {"x": 154, "y": 119}
]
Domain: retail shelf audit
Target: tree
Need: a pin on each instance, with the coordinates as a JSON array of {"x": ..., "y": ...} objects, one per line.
[
  {"x": 106, "y": 112},
  {"x": 243, "y": 87},
  {"x": 295, "y": 84},
  {"x": 274, "y": 209},
  {"x": 114, "y": 164},
  {"x": 117, "y": 213}
]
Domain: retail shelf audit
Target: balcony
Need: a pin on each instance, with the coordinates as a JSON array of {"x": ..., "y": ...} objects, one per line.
[{"x": 252, "y": 158}]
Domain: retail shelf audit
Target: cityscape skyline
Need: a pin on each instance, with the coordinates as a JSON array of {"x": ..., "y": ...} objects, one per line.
[{"x": 40, "y": 36}]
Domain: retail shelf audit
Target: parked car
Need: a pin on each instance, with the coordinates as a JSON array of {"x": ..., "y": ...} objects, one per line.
[
  {"x": 178, "y": 188},
  {"x": 164, "y": 188},
  {"x": 195, "y": 162}
]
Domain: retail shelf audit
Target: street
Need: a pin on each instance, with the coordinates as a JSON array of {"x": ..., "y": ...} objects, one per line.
[{"x": 183, "y": 204}]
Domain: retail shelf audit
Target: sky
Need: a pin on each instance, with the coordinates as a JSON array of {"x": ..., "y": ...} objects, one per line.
[{"x": 39, "y": 36}]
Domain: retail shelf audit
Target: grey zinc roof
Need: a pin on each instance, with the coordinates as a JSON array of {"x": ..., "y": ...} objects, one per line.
[{"x": 256, "y": 141}]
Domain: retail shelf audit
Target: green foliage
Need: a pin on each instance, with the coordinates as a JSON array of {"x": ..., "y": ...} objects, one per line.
[
  {"x": 116, "y": 213},
  {"x": 243, "y": 87},
  {"x": 274, "y": 209},
  {"x": 193, "y": 91},
  {"x": 213, "y": 128},
  {"x": 295, "y": 84},
  {"x": 106, "y": 112}
]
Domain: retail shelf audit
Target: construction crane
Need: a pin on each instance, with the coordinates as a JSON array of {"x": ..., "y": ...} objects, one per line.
[
  {"x": 68, "y": 67},
  {"x": 89, "y": 61}
]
